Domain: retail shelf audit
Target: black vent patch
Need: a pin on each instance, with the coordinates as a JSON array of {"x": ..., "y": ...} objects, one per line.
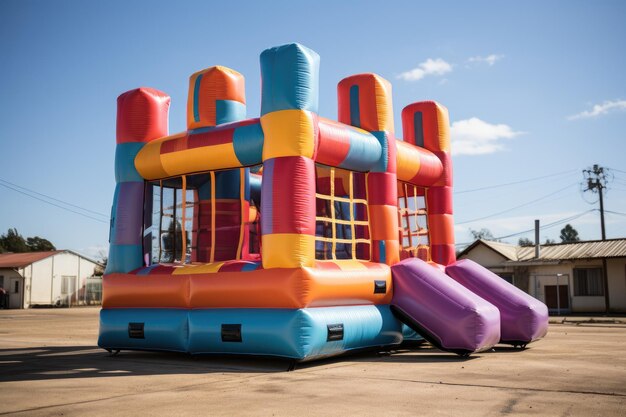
[
  {"x": 335, "y": 332},
  {"x": 135, "y": 331},
  {"x": 231, "y": 332},
  {"x": 380, "y": 287}
]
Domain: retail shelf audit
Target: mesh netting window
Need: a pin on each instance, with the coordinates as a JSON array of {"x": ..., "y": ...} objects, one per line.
[
  {"x": 412, "y": 220},
  {"x": 202, "y": 218},
  {"x": 172, "y": 218},
  {"x": 341, "y": 222}
]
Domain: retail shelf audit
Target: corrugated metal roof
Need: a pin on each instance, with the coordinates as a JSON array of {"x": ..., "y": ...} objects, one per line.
[
  {"x": 612, "y": 248},
  {"x": 19, "y": 260}
]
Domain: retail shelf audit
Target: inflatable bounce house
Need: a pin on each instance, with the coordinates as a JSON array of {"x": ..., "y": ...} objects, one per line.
[{"x": 292, "y": 235}]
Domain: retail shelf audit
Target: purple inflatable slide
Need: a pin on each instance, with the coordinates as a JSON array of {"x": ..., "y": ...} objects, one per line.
[
  {"x": 443, "y": 311},
  {"x": 523, "y": 318}
]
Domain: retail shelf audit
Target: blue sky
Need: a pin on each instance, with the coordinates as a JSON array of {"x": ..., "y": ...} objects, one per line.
[{"x": 534, "y": 89}]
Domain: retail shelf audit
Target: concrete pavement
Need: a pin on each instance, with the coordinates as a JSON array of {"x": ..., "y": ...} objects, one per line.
[{"x": 50, "y": 366}]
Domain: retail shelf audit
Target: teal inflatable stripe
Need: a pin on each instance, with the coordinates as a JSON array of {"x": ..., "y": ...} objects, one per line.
[
  {"x": 410, "y": 334},
  {"x": 125, "y": 154},
  {"x": 364, "y": 153},
  {"x": 248, "y": 144},
  {"x": 196, "y": 98},
  {"x": 227, "y": 111},
  {"x": 124, "y": 258},
  {"x": 290, "y": 78},
  {"x": 297, "y": 334},
  {"x": 163, "y": 329},
  {"x": 383, "y": 162}
]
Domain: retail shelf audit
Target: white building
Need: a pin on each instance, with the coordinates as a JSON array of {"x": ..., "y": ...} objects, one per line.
[
  {"x": 59, "y": 277},
  {"x": 568, "y": 277}
]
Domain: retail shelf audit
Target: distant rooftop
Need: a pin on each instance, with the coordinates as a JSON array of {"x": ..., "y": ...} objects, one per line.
[
  {"x": 20, "y": 260},
  {"x": 591, "y": 249}
]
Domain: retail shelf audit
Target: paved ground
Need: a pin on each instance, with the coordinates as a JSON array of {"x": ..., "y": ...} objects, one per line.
[{"x": 50, "y": 366}]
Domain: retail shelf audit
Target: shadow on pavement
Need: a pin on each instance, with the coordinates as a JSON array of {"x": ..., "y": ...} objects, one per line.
[
  {"x": 409, "y": 353},
  {"x": 66, "y": 362}
]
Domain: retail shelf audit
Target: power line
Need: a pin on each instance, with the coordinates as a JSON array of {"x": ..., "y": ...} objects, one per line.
[
  {"x": 489, "y": 187},
  {"x": 549, "y": 225},
  {"x": 516, "y": 207},
  {"x": 545, "y": 226},
  {"x": 53, "y": 204},
  {"x": 615, "y": 212},
  {"x": 55, "y": 199}
]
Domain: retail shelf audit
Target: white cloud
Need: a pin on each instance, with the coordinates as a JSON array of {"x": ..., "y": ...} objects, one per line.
[
  {"x": 477, "y": 137},
  {"x": 489, "y": 59},
  {"x": 429, "y": 67},
  {"x": 600, "y": 109}
]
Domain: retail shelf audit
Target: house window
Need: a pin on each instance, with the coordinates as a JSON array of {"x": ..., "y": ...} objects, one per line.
[
  {"x": 68, "y": 285},
  {"x": 341, "y": 222},
  {"x": 588, "y": 282},
  {"x": 412, "y": 220}
]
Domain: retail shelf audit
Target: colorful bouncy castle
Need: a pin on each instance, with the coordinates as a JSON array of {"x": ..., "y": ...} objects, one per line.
[{"x": 292, "y": 235}]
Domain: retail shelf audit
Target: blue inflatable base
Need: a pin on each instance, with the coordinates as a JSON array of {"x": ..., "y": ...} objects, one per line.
[
  {"x": 300, "y": 334},
  {"x": 410, "y": 335}
]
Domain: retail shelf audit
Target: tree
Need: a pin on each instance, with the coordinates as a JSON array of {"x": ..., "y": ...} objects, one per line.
[
  {"x": 550, "y": 242},
  {"x": 98, "y": 271},
  {"x": 569, "y": 234},
  {"x": 524, "y": 241},
  {"x": 484, "y": 234},
  {"x": 12, "y": 241},
  {"x": 39, "y": 244}
]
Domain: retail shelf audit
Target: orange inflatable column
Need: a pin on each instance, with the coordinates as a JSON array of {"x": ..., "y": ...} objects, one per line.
[
  {"x": 426, "y": 124},
  {"x": 290, "y": 75},
  {"x": 217, "y": 96},
  {"x": 365, "y": 102}
]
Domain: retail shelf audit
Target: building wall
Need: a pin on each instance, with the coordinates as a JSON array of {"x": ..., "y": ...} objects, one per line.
[
  {"x": 44, "y": 279},
  {"x": 616, "y": 268},
  {"x": 495, "y": 262},
  {"x": 9, "y": 277},
  {"x": 547, "y": 274},
  {"x": 486, "y": 257},
  {"x": 617, "y": 284},
  {"x": 544, "y": 275},
  {"x": 38, "y": 284}
]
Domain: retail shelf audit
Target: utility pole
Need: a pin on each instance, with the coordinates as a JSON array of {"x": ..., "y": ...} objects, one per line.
[{"x": 596, "y": 182}]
